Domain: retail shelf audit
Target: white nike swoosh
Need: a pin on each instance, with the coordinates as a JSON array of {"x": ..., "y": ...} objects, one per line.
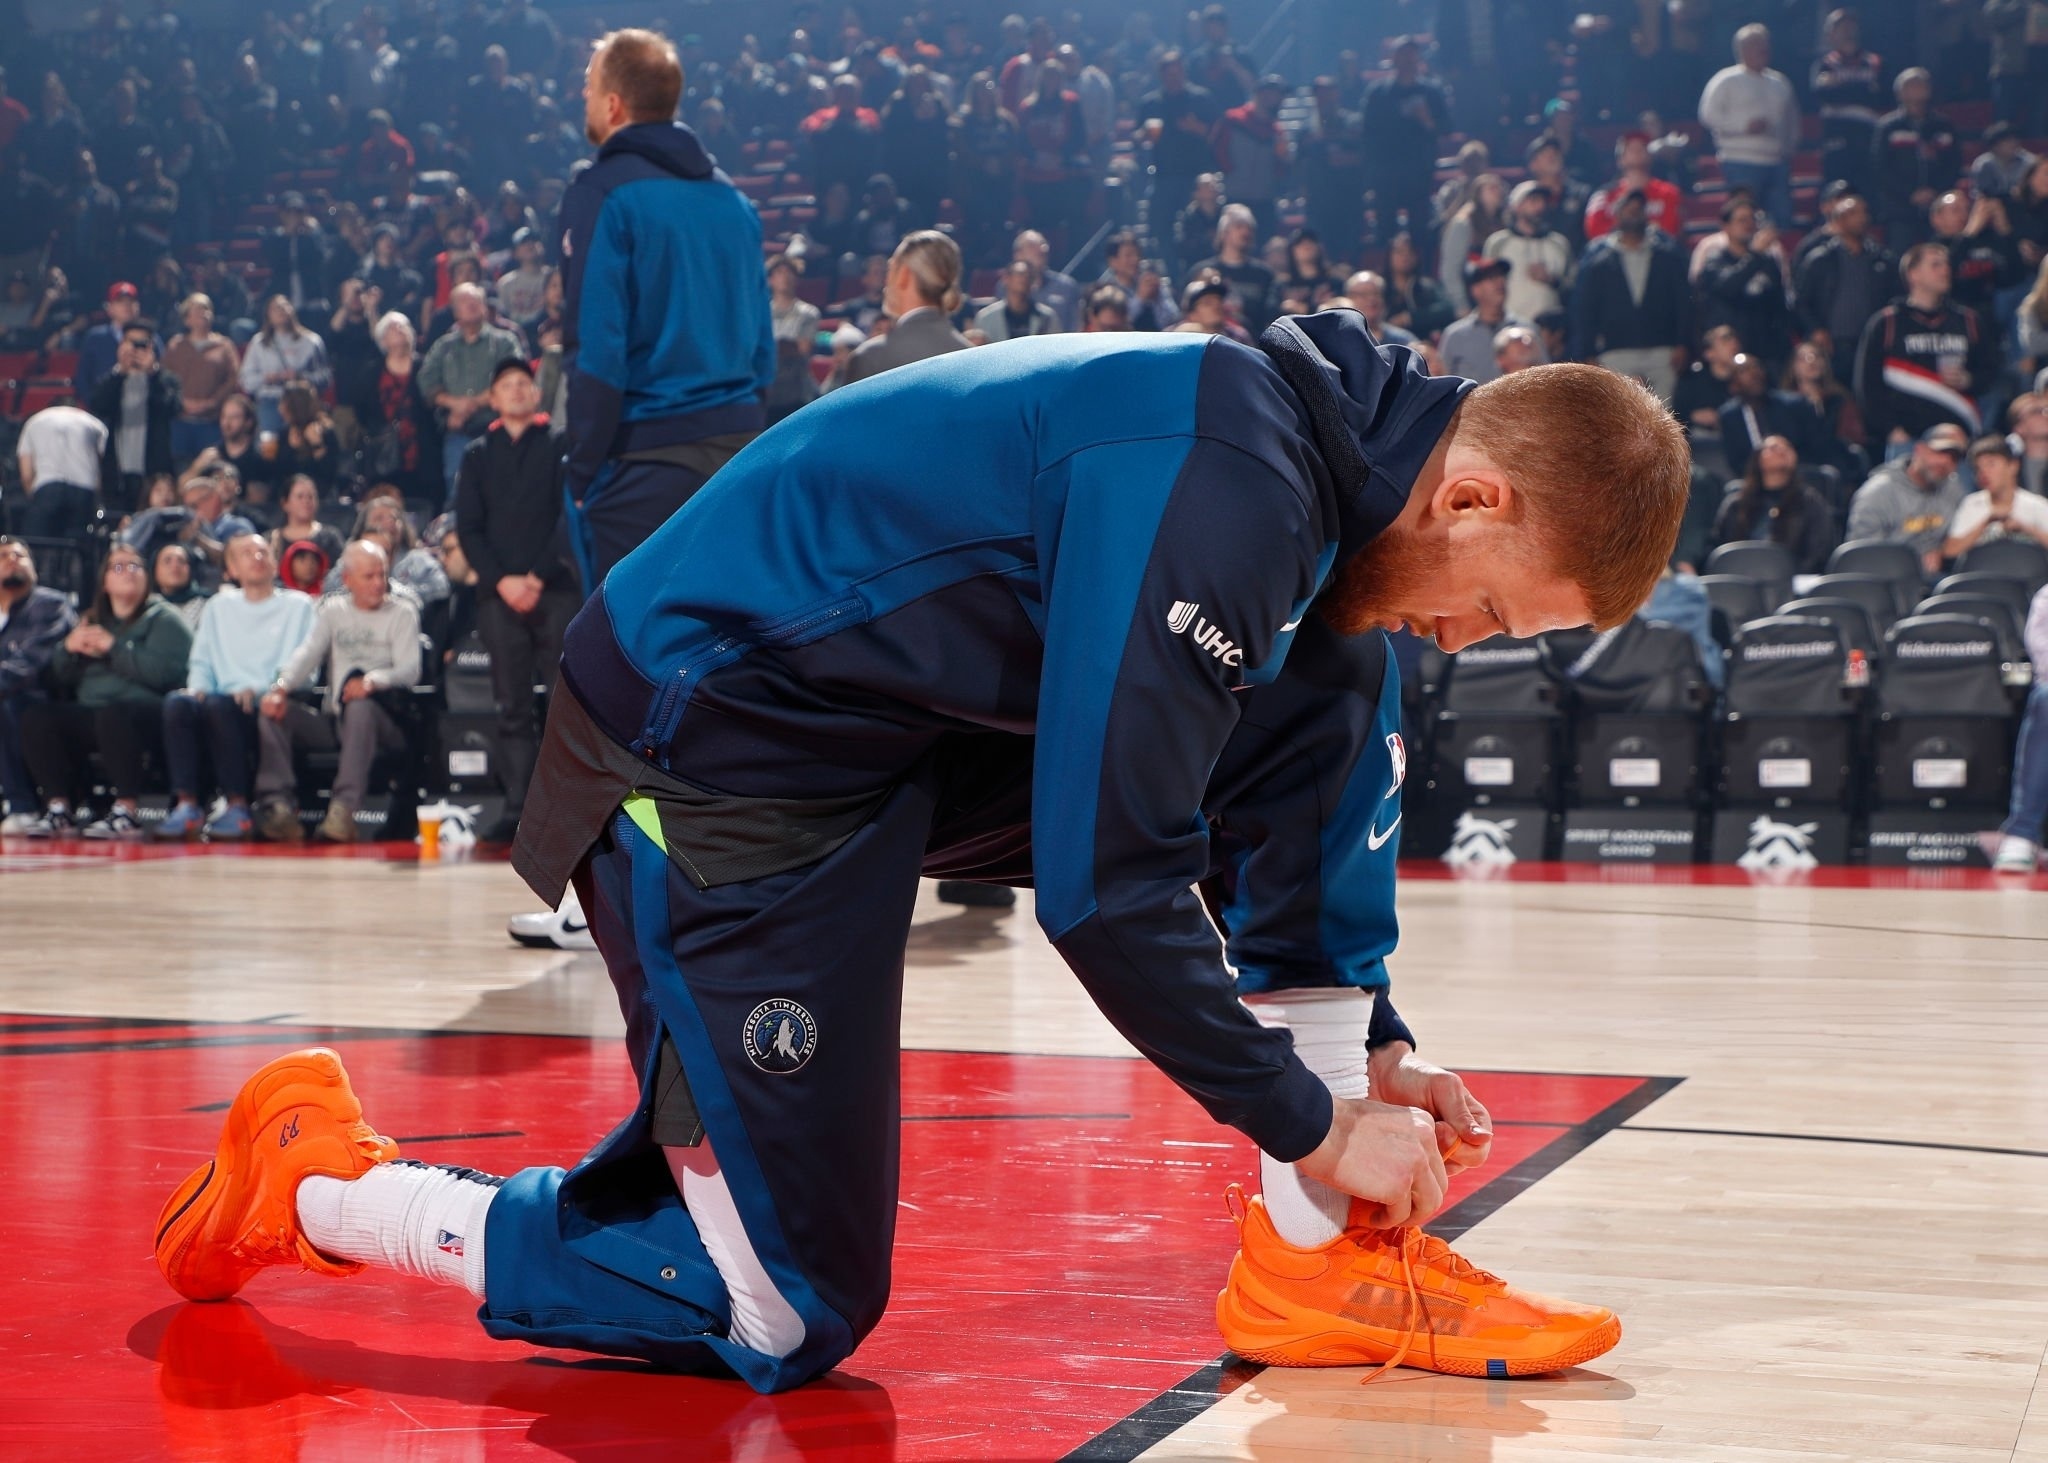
[
  {"x": 1376, "y": 840},
  {"x": 1291, "y": 624}
]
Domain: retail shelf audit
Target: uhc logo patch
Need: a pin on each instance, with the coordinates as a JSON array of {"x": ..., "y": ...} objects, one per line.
[{"x": 1185, "y": 616}]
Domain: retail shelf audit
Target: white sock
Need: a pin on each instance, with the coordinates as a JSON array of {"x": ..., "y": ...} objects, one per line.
[
  {"x": 1329, "y": 1026},
  {"x": 415, "y": 1218},
  {"x": 761, "y": 1319}
]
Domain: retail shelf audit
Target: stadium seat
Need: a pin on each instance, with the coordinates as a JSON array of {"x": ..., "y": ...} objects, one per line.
[
  {"x": 1499, "y": 732},
  {"x": 1897, "y": 563},
  {"x": 1874, "y": 594},
  {"x": 2013, "y": 593},
  {"x": 1768, "y": 564},
  {"x": 1637, "y": 697},
  {"x": 1787, "y": 733},
  {"x": 2012, "y": 558},
  {"x": 1864, "y": 631},
  {"x": 2005, "y": 626},
  {"x": 1944, "y": 720},
  {"x": 1741, "y": 600}
]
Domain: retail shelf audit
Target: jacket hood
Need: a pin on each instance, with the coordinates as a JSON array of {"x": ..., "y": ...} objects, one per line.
[
  {"x": 1374, "y": 411},
  {"x": 670, "y": 146},
  {"x": 303, "y": 546}
]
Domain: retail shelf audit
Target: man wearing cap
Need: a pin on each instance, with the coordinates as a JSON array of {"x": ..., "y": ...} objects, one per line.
[
  {"x": 1205, "y": 308},
  {"x": 99, "y": 347},
  {"x": 1632, "y": 311},
  {"x": 1467, "y": 346},
  {"x": 1254, "y": 152},
  {"x": 1913, "y": 499},
  {"x": 1541, "y": 256},
  {"x": 508, "y": 504},
  {"x": 1998, "y": 509}
]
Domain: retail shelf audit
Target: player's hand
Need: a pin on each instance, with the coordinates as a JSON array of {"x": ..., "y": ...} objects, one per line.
[
  {"x": 1385, "y": 1155},
  {"x": 1464, "y": 1128}
]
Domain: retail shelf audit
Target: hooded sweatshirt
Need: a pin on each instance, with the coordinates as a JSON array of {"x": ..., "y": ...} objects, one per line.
[
  {"x": 1125, "y": 591},
  {"x": 666, "y": 329}
]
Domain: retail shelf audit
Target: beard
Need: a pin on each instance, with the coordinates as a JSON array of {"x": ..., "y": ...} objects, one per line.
[{"x": 1384, "y": 583}]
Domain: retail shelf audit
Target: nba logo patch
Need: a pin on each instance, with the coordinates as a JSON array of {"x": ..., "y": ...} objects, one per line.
[
  {"x": 780, "y": 1036},
  {"x": 1397, "y": 758},
  {"x": 449, "y": 1243}
]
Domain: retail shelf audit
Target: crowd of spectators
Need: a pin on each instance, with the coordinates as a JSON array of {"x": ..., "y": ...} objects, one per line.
[{"x": 285, "y": 269}]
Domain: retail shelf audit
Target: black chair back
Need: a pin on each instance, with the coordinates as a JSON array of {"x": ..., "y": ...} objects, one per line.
[
  {"x": 1769, "y": 564},
  {"x": 1499, "y": 674},
  {"x": 2013, "y": 592},
  {"x": 1896, "y": 563},
  {"x": 1870, "y": 591},
  {"x": 1996, "y": 613},
  {"x": 2013, "y": 558},
  {"x": 1788, "y": 665},
  {"x": 1943, "y": 665},
  {"x": 1853, "y": 619},
  {"x": 1741, "y": 600}
]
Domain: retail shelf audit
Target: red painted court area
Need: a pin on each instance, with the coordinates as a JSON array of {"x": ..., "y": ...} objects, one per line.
[{"x": 1061, "y": 1241}]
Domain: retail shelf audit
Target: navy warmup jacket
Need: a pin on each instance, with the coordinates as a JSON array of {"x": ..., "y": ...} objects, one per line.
[
  {"x": 666, "y": 327},
  {"x": 1107, "y": 543}
]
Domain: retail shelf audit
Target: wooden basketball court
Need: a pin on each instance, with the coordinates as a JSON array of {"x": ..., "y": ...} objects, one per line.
[{"x": 1796, "y": 1134}]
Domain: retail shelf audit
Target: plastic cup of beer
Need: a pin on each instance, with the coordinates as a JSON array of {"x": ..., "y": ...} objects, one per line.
[{"x": 430, "y": 833}]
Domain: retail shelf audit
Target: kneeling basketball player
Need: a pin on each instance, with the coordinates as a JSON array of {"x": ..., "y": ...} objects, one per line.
[{"x": 1092, "y": 614}]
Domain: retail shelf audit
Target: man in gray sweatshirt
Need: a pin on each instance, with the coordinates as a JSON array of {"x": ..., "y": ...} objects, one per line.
[
  {"x": 368, "y": 641},
  {"x": 1911, "y": 499}
]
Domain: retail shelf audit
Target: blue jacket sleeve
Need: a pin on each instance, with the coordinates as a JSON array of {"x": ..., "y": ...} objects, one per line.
[
  {"x": 1306, "y": 803},
  {"x": 595, "y": 261},
  {"x": 1176, "y": 563}
]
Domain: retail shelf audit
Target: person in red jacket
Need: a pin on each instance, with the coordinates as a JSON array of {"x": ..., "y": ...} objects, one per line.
[{"x": 1632, "y": 163}]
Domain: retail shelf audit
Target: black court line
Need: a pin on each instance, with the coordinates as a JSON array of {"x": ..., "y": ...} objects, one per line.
[
  {"x": 1843, "y": 1138},
  {"x": 1803, "y": 924},
  {"x": 1167, "y": 1413},
  {"x": 458, "y": 1137}
]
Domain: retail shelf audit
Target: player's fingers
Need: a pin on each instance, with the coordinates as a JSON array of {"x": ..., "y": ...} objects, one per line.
[{"x": 1427, "y": 1195}]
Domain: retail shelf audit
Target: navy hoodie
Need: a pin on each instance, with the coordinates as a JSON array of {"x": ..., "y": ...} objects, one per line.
[
  {"x": 666, "y": 325},
  {"x": 1107, "y": 543}
]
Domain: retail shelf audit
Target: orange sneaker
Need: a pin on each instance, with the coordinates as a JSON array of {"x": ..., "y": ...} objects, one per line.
[
  {"x": 237, "y": 1212},
  {"x": 1385, "y": 1298}
]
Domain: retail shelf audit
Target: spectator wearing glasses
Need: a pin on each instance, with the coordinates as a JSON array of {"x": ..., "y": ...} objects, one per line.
[
  {"x": 244, "y": 639},
  {"x": 121, "y": 659},
  {"x": 34, "y": 621}
]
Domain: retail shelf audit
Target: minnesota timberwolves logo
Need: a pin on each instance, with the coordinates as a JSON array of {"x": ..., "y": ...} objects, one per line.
[{"x": 780, "y": 1036}]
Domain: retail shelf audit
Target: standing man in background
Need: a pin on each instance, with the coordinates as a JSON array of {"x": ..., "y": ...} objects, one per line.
[
  {"x": 666, "y": 329},
  {"x": 668, "y": 337},
  {"x": 508, "y": 505},
  {"x": 1754, "y": 116}
]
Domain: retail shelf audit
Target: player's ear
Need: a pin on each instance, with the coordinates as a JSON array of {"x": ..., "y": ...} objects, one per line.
[{"x": 1474, "y": 488}]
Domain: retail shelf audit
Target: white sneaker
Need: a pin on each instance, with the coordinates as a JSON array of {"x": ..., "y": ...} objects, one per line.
[
  {"x": 553, "y": 929},
  {"x": 16, "y": 825},
  {"x": 2016, "y": 855}
]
